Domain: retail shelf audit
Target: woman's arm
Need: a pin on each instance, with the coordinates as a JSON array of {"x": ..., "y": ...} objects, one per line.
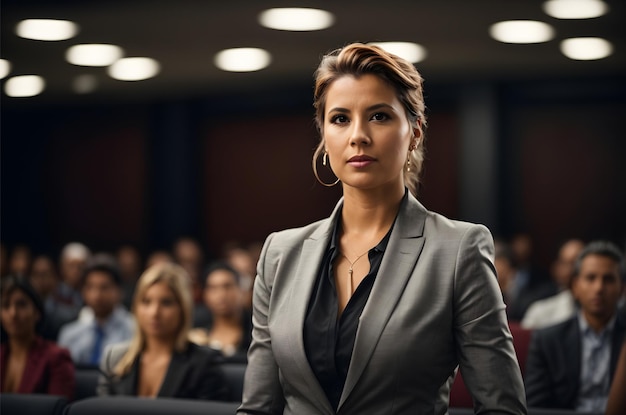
[
  {"x": 485, "y": 350},
  {"x": 62, "y": 376},
  {"x": 262, "y": 392}
]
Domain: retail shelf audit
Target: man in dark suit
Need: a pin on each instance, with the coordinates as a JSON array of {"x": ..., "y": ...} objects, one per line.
[{"x": 570, "y": 365}]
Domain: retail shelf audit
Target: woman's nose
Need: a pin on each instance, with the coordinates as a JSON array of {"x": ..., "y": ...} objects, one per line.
[{"x": 359, "y": 135}]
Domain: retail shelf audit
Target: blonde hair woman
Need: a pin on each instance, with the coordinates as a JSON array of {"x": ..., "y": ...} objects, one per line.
[{"x": 160, "y": 361}]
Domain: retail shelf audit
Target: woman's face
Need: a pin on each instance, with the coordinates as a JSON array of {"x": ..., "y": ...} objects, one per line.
[
  {"x": 158, "y": 313},
  {"x": 366, "y": 132},
  {"x": 19, "y": 315}
]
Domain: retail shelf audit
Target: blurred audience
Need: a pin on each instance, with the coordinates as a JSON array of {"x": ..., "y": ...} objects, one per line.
[
  {"x": 230, "y": 329},
  {"x": 45, "y": 279},
  {"x": 28, "y": 363},
  {"x": 129, "y": 261},
  {"x": 4, "y": 260},
  {"x": 158, "y": 257},
  {"x": 244, "y": 261},
  {"x": 570, "y": 365},
  {"x": 188, "y": 254},
  {"x": 529, "y": 283},
  {"x": 160, "y": 361},
  {"x": 559, "y": 307},
  {"x": 74, "y": 257},
  {"x": 20, "y": 261},
  {"x": 104, "y": 321}
]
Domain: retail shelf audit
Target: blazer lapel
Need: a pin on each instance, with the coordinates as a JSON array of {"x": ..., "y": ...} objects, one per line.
[
  {"x": 127, "y": 385},
  {"x": 404, "y": 247},
  {"x": 176, "y": 371},
  {"x": 301, "y": 288}
]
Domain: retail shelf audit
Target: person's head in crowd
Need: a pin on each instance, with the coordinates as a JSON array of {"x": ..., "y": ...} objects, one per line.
[
  {"x": 129, "y": 261},
  {"x": 74, "y": 257},
  {"x": 43, "y": 276},
  {"x": 22, "y": 310},
  {"x": 101, "y": 286},
  {"x": 4, "y": 258},
  {"x": 158, "y": 257},
  {"x": 522, "y": 248},
  {"x": 222, "y": 294},
  {"x": 20, "y": 260},
  {"x": 504, "y": 263},
  {"x": 163, "y": 310},
  {"x": 372, "y": 67},
  {"x": 188, "y": 254},
  {"x": 563, "y": 265},
  {"x": 598, "y": 282}
]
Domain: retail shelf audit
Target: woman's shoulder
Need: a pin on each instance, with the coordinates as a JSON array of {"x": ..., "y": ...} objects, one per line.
[
  {"x": 439, "y": 224},
  {"x": 50, "y": 348}
]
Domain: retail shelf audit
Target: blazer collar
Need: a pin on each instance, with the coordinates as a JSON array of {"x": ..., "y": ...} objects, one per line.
[
  {"x": 405, "y": 245},
  {"x": 304, "y": 277},
  {"x": 175, "y": 375}
]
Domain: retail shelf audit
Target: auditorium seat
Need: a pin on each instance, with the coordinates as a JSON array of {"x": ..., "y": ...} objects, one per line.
[
  {"x": 86, "y": 382},
  {"x": 234, "y": 373},
  {"x": 26, "y": 404},
  {"x": 129, "y": 405}
]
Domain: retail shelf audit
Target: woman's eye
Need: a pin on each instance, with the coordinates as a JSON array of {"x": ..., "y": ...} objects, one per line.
[
  {"x": 380, "y": 116},
  {"x": 338, "y": 119}
]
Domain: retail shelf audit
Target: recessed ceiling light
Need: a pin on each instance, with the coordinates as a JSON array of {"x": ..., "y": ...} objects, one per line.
[
  {"x": 85, "y": 84},
  {"x": 575, "y": 9},
  {"x": 410, "y": 51},
  {"x": 24, "y": 86},
  {"x": 46, "y": 29},
  {"x": 296, "y": 19},
  {"x": 5, "y": 68},
  {"x": 242, "y": 59},
  {"x": 95, "y": 54},
  {"x": 134, "y": 69},
  {"x": 521, "y": 31},
  {"x": 586, "y": 48}
]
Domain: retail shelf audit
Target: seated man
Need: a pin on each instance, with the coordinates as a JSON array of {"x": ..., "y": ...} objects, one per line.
[
  {"x": 570, "y": 365},
  {"x": 104, "y": 321}
]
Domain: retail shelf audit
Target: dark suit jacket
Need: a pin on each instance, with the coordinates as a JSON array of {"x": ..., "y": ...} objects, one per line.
[
  {"x": 192, "y": 374},
  {"x": 435, "y": 304},
  {"x": 49, "y": 369},
  {"x": 552, "y": 374}
]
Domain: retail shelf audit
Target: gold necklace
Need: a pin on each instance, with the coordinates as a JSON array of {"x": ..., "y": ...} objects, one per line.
[{"x": 351, "y": 270}]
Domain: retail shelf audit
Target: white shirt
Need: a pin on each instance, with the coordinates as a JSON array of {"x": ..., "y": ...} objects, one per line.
[{"x": 550, "y": 311}]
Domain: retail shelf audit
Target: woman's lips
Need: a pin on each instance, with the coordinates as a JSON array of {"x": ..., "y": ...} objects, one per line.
[{"x": 360, "y": 161}]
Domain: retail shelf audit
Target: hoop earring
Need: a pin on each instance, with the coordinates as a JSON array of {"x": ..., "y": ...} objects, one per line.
[{"x": 324, "y": 160}]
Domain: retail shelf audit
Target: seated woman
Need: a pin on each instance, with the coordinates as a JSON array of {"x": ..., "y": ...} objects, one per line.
[
  {"x": 231, "y": 327},
  {"x": 28, "y": 363},
  {"x": 160, "y": 361}
]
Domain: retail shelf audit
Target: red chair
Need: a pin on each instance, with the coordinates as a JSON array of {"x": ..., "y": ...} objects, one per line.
[{"x": 459, "y": 395}]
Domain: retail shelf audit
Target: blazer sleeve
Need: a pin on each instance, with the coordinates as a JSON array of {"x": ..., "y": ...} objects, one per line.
[
  {"x": 537, "y": 376},
  {"x": 62, "y": 378},
  {"x": 484, "y": 343},
  {"x": 262, "y": 393}
]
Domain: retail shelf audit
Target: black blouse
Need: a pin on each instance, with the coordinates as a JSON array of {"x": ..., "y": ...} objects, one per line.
[{"x": 328, "y": 340}]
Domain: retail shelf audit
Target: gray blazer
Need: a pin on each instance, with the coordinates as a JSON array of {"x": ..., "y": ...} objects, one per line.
[{"x": 435, "y": 304}]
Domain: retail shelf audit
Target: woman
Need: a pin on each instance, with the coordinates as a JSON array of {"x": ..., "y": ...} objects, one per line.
[
  {"x": 371, "y": 310},
  {"x": 160, "y": 361},
  {"x": 28, "y": 363},
  {"x": 230, "y": 328}
]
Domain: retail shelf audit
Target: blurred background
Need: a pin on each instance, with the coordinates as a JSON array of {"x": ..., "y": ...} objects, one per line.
[{"x": 523, "y": 137}]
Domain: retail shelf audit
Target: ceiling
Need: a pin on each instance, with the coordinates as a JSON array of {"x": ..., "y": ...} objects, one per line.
[{"x": 184, "y": 35}]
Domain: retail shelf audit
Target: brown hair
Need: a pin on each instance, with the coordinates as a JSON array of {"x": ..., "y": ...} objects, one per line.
[{"x": 358, "y": 59}]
